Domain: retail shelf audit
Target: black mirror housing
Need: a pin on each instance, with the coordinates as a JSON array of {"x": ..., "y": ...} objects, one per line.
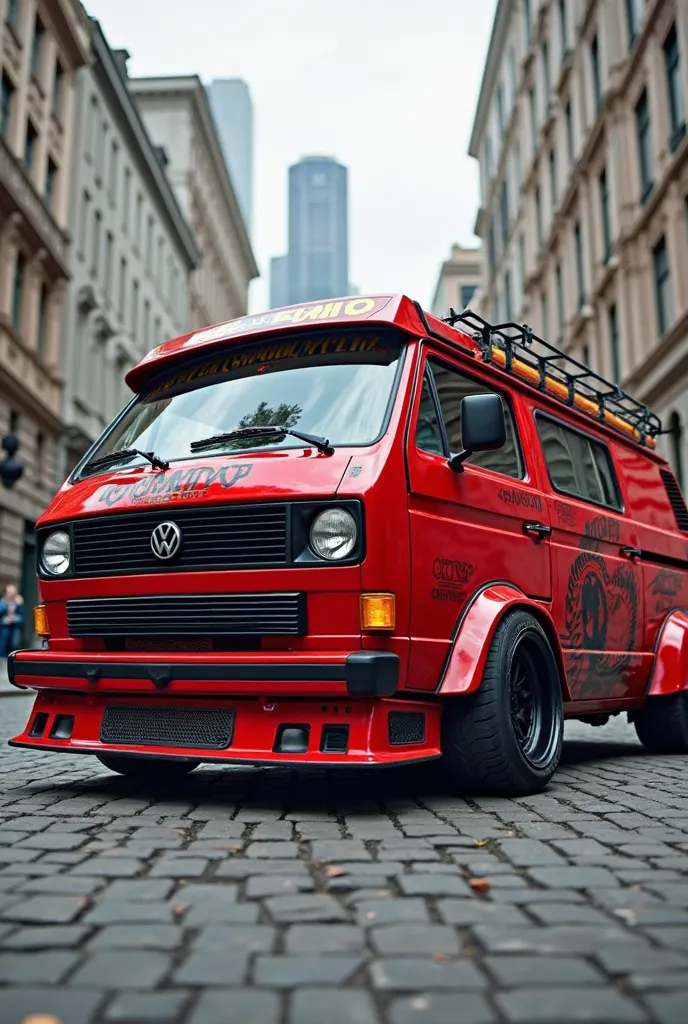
[{"x": 483, "y": 428}]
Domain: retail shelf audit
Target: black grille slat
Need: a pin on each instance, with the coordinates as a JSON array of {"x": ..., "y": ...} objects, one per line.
[
  {"x": 676, "y": 499},
  {"x": 200, "y": 728},
  {"x": 189, "y": 615},
  {"x": 231, "y": 537},
  {"x": 405, "y": 727}
]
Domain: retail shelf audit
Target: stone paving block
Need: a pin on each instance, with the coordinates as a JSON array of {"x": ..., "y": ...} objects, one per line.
[
  {"x": 292, "y": 971},
  {"x": 304, "y": 907},
  {"x": 469, "y": 1008},
  {"x": 569, "y": 913},
  {"x": 128, "y": 912},
  {"x": 109, "y": 867},
  {"x": 574, "y": 877},
  {"x": 467, "y": 912},
  {"x": 275, "y": 885},
  {"x": 45, "y": 910},
  {"x": 668, "y": 1007},
  {"x": 339, "y": 850},
  {"x": 74, "y": 1007},
  {"x": 138, "y": 936},
  {"x": 522, "y": 971},
  {"x": 432, "y": 885},
  {"x": 237, "y": 869},
  {"x": 201, "y": 914},
  {"x": 415, "y": 940},
  {"x": 581, "y": 939},
  {"x": 179, "y": 867},
  {"x": 244, "y": 938},
  {"x": 46, "y": 968},
  {"x": 528, "y": 853},
  {"x": 135, "y": 1007},
  {"x": 418, "y": 974},
  {"x": 568, "y": 1006},
  {"x": 325, "y": 938},
  {"x": 148, "y": 889},
  {"x": 343, "y": 1006},
  {"x": 131, "y": 969},
  {"x": 398, "y": 911},
  {"x": 212, "y": 967},
  {"x": 626, "y": 959},
  {"x": 237, "y": 1006},
  {"x": 57, "y": 936}
]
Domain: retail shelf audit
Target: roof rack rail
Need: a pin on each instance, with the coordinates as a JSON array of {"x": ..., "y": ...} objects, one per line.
[{"x": 515, "y": 348}]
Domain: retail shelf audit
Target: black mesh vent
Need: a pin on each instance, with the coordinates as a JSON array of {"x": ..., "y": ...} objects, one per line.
[
  {"x": 677, "y": 500},
  {"x": 406, "y": 727},
  {"x": 179, "y": 615},
  {"x": 202, "y": 728}
]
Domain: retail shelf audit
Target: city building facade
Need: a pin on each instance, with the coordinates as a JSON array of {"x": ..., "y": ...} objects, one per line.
[
  {"x": 132, "y": 253},
  {"x": 177, "y": 115},
  {"x": 580, "y": 133},
  {"x": 317, "y": 263},
  {"x": 42, "y": 44},
  {"x": 459, "y": 280},
  {"x": 230, "y": 101}
]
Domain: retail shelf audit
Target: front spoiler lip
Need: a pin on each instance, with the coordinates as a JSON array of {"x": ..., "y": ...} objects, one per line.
[
  {"x": 362, "y": 673},
  {"x": 276, "y": 762}
]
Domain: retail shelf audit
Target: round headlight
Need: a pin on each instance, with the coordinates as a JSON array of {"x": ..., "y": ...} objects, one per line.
[
  {"x": 56, "y": 553},
  {"x": 334, "y": 534}
]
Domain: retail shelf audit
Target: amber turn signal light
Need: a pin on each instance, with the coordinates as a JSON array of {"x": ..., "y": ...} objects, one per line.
[
  {"x": 378, "y": 612},
  {"x": 40, "y": 621}
]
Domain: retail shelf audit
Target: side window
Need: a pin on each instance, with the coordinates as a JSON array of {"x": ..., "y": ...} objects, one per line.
[
  {"x": 578, "y": 464},
  {"x": 452, "y": 387},
  {"x": 428, "y": 430}
]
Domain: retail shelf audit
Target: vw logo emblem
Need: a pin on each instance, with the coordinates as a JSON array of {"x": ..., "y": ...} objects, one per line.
[{"x": 166, "y": 540}]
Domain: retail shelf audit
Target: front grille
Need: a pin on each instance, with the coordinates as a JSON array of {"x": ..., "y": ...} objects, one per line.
[
  {"x": 202, "y": 615},
  {"x": 213, "y": 538},
  {"x": 203, "y": 728},
  {"x": 405, "y": 727}
]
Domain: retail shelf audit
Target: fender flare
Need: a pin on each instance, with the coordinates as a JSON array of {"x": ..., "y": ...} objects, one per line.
[
  {"x": 463, "y": 669},
  {"x": 669, "y": 672}
]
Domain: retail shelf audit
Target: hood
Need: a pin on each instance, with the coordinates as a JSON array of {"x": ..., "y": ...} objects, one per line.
[{"x": 258, "y": 476}]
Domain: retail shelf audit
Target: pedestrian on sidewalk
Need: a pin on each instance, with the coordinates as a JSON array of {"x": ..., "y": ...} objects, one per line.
[{"x": 11, "y": 620}]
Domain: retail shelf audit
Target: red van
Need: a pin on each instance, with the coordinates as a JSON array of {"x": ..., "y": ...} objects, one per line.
[{"x": 351, "y": 533}]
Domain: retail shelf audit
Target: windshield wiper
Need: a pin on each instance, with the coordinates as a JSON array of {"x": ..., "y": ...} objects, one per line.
[
  {"x": 126, "y": 453},
  {"x": 321, "y": 443}
]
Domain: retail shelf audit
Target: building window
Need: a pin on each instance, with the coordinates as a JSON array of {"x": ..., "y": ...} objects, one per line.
[
  {"x": 585, "y": 355},
  {"x": 18, "y": 291},
  {"x": 134, "y": 309},
  {"x": 614, "y": 344},
  {"x": 507, "y": 297},
  {"x": 569, "y": 132},
  {"x": 38, "y": 34},
  {"x": 83, "y": 223},
  {"x": 634, "y": 14},
  {"x": 50, "y": 177},
  {"x": 6, "y": 97},
  {"x": 512, "y": 74},
  {"x": 30, "y": 147},
  {"x": 578, "y": 238},
  {"x": 532, "y": 97},
  {"x": 527, "y": 15},
  {"x": 663, "y": 299},
  {"x": 595, "y": 64},
  {"x": 604, "y": 210},
  {"x": 146, "y": 324},
  {"x": 488, "y": 159},
  {"x": 42, "y": 313},
  {"x": 544, "y": 314},
  {"x": 538, "y": 215},
  {"x": 676, "y": 441},
  {"x": 95, "y": 250},
  {"x": 491, "y": 254},
  {"x": 57, "y": 89},
  {"x": 122, "y": 287},
  {"x": 560, "y": 302},
  {"x": 12, "y": 13},
  {"x": 518, "y": 171},
  {"x": 114, "y": 161},
  {"x": 553, "y": 177},
  {"x": 545, "y": 71},
  {"x": 126, "y": 199},
  {"x": 563, "y": 29},
  {"x": 109, "y": 248},
  {"x": 466, "y": 293},
  {"x": 157, "y": 331},
  {"x": 522, "y": 261},
  {"x": 504, "y": 212},
  {"x": 677, "y": 109},
  {"x": 500, "y": 110},
  {"x": 642, "y": 121},
  {"x": 137, "y": 227},
  {"x": 149, "y": 245}
]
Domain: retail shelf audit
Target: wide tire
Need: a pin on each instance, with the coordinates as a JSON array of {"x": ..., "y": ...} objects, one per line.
[
  {"x": 662, "y": 724},
  {"x": 147, "y": 767},
  {"x": 505, "y": 738}
]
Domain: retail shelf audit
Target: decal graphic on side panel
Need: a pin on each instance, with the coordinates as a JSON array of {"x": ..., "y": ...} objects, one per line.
[
  {"x": 512, "y": 496},
  {"x": 665, "y": 588},
  {"x": 452, "y": 577}
]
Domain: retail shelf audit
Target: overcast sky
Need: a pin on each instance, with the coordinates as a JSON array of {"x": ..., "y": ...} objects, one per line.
[{"x": 388, "y": 87}]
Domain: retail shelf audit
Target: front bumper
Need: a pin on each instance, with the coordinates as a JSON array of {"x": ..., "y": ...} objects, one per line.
[
  {"x": 319, "y": 673},
  {"x": 244, "y": 730}
]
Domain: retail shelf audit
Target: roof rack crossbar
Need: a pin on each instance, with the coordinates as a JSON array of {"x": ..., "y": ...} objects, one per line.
[{"x": 547, "y": 367}]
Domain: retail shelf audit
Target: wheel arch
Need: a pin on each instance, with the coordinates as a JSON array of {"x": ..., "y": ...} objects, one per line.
[
  {"x": 669, "y": 673},
  {"x": 463, "y": 669}
]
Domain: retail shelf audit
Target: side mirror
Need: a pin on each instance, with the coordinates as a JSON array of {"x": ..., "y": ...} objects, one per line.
[{"x": 482, "y": 427}]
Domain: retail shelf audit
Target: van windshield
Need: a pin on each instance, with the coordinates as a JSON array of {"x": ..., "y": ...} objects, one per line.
[{"x": 337, "y": 385}]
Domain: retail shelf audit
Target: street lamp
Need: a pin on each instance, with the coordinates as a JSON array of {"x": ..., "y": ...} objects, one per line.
[{"x": 10, "y": 468}]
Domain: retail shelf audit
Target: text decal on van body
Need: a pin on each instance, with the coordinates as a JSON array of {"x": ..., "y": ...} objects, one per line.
[{"x": 180, "y": 485}]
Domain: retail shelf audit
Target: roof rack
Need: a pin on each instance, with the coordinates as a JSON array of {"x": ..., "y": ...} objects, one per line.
[{"x": 515, "y": 348}]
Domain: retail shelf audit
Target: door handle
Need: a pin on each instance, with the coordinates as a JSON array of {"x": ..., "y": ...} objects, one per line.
[
  {"x": 631, "y": 553},
  {"x": 536, "y": 530}
]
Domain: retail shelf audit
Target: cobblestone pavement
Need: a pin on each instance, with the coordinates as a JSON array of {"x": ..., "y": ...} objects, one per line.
[{"x": 251, "y": 896}]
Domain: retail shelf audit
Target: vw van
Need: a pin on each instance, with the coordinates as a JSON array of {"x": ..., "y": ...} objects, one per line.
[{"x": 349, "y": 533}]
